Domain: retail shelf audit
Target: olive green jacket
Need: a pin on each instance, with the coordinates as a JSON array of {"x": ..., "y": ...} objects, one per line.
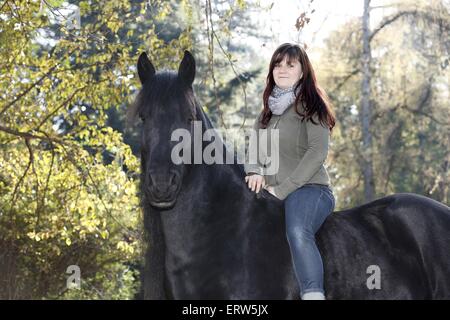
[{"x": 303, "y": 149}]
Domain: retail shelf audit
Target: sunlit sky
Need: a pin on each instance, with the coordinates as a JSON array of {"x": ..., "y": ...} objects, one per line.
[{"x": 328, "y": 16}]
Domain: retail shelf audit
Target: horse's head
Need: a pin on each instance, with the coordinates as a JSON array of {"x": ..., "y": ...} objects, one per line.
[{"x": 165, "y": 103}]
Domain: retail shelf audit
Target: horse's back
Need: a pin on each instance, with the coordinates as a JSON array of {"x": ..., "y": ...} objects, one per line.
[{"x": 403, "y": 236}]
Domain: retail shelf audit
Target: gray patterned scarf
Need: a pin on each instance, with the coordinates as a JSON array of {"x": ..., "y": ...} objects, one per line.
[{"x": 280, "y": 99}]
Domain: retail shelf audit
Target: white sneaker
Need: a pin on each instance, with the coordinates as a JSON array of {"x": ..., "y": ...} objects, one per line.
[{"x": 313, "y": 296}]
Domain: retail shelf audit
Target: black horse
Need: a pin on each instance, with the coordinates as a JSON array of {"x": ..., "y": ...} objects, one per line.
[{"x": 210, "y": 237}]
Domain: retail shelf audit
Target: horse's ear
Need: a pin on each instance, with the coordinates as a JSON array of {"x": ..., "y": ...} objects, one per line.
[
  {"x": 186, "y": 70},
  {"x": 146, "y": 70}
]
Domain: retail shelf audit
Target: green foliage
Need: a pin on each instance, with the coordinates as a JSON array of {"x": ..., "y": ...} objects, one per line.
[{"x": 62, "y": 202}]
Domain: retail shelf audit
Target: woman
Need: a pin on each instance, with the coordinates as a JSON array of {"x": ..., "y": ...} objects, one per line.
[{"x": 296, "y": 106}]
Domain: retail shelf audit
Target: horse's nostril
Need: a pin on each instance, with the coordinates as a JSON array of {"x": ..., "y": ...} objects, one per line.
[
  {"x": 162, "y": 187},
  {"x": 150, "y": 180},
  {"x": 161, "y": 192},
  {"x": 173, "y": 177}
]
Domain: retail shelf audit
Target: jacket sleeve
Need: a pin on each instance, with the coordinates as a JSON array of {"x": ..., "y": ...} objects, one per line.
[
  {"x": 258, "y": 167},
  {"x": 314, "y": 157}
]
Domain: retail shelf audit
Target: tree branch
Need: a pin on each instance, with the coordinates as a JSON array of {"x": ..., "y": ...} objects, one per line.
[
  {"x": 209, "y": 22},
  {"x": 59, "y": 107},
  {"x": 28, "y": 90},
  {"x": 345, "y": 79},
  {"x": 15, "y": 192},
  {"x": 390, "y": 20},
  {"x": 3, "y": 5},
  {"x": 28, "y": 135},
  {"x": 238, "y": 76},
  {"x": 417, "y": 111},
  {"x": 40, "y": 204}
]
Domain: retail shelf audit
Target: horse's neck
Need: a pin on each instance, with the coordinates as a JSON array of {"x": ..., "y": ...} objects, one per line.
[
  {"x": 205, "y": 177},
  {"x": 206, "y": 180}
]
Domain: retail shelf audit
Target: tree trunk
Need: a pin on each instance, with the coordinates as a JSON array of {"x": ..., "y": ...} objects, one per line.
[{"x": 365, "y": 115}]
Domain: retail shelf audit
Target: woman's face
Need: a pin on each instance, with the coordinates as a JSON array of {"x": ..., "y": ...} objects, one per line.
[{"x": 287, "y": 74}]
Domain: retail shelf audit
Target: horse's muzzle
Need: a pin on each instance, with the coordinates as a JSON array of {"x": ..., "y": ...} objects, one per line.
[{"x": 162, "y": 189}]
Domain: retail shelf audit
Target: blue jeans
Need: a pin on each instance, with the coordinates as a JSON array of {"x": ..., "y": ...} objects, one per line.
[{"x": 306, "y": 209}]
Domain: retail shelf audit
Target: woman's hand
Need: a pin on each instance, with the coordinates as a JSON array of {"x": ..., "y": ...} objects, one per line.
[
  {"x": 255, "y": 182},
  {"x": 270, "y": 190}
]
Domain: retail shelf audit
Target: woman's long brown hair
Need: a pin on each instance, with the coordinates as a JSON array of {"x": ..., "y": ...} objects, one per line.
[{"x": 314, "y": 99}]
